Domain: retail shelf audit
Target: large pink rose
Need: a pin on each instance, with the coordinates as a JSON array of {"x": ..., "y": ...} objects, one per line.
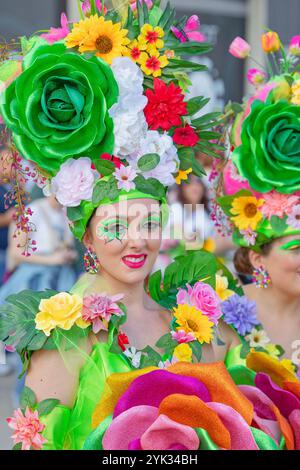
[{"x": 203, "y": 297}]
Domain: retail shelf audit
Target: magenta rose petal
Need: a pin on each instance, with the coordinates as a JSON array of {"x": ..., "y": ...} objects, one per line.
[
  {"x": 129, "y": 427},
  {"x": 261, "y": 402},
  {"x": 283, "y": 399},
  {"x": 294, "y": 420},
  {"x": 165, "y": 433},
  {"x": 152, "y": 388},
  {"x": 240, "y": 432},
  {"x": 135, "y": 445}
]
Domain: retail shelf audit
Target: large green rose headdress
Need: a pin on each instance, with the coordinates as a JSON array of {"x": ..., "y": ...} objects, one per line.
[
  {"x": 100, "y": 107},
  {"x": 258, "y": 182}
]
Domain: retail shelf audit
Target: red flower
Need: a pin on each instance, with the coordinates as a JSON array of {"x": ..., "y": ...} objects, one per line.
[
  {"x": 165, "y": 106},
  {"x": 185, "y": 136},
  {"x": 106, "y": 156},
  {"x": 122, "y": 340}
]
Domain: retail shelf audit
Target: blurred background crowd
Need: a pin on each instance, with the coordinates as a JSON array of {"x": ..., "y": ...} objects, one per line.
[{"x": 57, "y": 260}]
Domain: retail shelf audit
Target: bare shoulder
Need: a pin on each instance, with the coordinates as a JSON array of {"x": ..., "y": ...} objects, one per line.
[
  {"x": 52, "y": 376},
  {"x": 227, "y": 335}
]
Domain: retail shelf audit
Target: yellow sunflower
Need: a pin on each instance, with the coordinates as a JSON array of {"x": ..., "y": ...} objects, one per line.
[
  {"x": 246, "y": 213},
  {"x": 95, "y": 34},
  {"x": 192, "y": 320}
]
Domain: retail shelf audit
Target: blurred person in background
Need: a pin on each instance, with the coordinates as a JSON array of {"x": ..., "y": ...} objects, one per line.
[{"x": 51, "y": 265}]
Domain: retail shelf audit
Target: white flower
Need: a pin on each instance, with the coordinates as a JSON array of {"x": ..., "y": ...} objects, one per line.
[
  {"x": 257, "y": 338},
  {"x": 128, "y": 76},
  {"x": 167, "y": 363},
  {"x": 162, "y": 144},
  {"x": 125, "y": 176},
  {"x": 129, "y": 130},
  {"x": 134, "y": 356},
  {"x": 74, "y": 182}
]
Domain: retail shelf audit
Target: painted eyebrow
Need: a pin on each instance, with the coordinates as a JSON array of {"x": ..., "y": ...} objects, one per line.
[
  {"x": 124, "y": 218},
  {"x": 290, "y": 244}
]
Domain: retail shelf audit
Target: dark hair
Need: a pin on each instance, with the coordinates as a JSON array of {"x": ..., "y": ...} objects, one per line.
[
  {"x": 241, "y": 259},
  {"x": 204, "y": 200}
]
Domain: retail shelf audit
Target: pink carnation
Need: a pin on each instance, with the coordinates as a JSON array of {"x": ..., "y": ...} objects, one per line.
[
  {"x": 278, "y": 204},
  {"x": 182, "y": 337},
  {"x": 27, "y": 429},
  {"x": 204, "y": 298},
  {"x": 98, "y": 309}
]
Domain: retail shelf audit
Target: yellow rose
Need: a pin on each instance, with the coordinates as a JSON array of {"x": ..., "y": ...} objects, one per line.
[
  {"x": 63, "y": 310},
  {"x": 296, "y": 93},
  {"x": 222, "y": 287},
  {"x": 183, "y": 352}
]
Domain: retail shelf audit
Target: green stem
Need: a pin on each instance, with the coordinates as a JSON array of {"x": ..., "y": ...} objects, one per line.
[
  {"x": 258, "y": 63},
  {"x": 93, "y": 7},
  {"x": 80, "y": 10}
]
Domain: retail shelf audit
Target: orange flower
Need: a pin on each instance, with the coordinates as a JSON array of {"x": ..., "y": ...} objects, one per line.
[{"x": 270, "y": 42}]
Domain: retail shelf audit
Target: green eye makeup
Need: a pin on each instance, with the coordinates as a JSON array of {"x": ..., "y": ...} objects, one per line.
[
  {"x": 153, "y": 222},
  {"x": 291, "y": 246},
  {"x": 112, "y": 229}
]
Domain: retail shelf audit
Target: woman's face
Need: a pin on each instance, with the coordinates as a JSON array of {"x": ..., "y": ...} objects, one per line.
[
  {"x": 194, "y": 191},
  {"x": 283, "y": 264},
  {"x": 126, "y": 237}
]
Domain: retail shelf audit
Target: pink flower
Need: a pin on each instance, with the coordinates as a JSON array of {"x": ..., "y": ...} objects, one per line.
[
  {"x": 278, "y": 204},
  {"x": 74, "y": 182},
  {"x": 190, "y": 31},
  {"x": 125, "y": 176},
  {"x": 294, "y": 47},
  {"x": 98, "y": 309},
  {"x": 256, "y": 77},
  {"x": 249, "y": 236},
  {"x": 56, "y": 34},
  {"x": 294, "y": 217},
  {"x": 149, "y": 4},
  {"x": 86, "y": 7},
  {"x": 182, "y": 337},
  {"x": 27, "y": 429},
  {"x": 204, "y": 298},
  {"x": 239, "y": 48}
]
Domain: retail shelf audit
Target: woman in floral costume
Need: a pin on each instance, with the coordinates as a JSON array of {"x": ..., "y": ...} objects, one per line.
[
  {"x": 96, "y": 105},
  {"x": 257, "y": 198}
]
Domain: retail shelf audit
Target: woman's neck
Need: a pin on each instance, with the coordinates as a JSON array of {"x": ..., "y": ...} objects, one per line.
[
  {"x": 134, "y": 294},
  {"x": 274, "y": 300}
]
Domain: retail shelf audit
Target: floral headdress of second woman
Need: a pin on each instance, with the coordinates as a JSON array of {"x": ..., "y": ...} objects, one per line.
[
  {"x": 258, "y": 183},
  {"x": 100, "y": 107}
]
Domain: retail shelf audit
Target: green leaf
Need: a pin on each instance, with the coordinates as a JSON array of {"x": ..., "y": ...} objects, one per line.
[
  {"x": 100, "y": 192},
  {"x": 17, "y": 446},
  {"x": 206, "y": 118},
  {"x": 150, "y": 186},
  {"x": 112, "y": 189},
  {"x": 206, "y": 135},
  {"x": 166, "y": 342},
  {"x": 148, "y": 162},
  {"x": 245, "y": 350},
  {"x": 280, "y": 349},
  {"x": 193, "y": 48},
  {"x": 145, "y": 12},
  {"x": 198, "y": 169},
  {"x": 74, "y": 213},
  {"x": 194, "y": 105},
  {"x": 278, "y": 225},
  {"x": 27, "y": 398},
  {"x": 165, "y": 16},
  {"x": 105, "y": 167},
  {"x": 140, "y": 13},
  {"x": 37, "y": 341},
  {"x": 197, "y": 349},
  {"x": 115, "y": 348},
  {"x": 185, "y": 65},
  {"x": 46, "y": 406},
  {"x": 153, "y": 356}
]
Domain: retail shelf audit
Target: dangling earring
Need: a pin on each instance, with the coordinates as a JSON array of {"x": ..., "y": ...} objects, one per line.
[
  {"x": 261, "y": 277},
  {"x": 91, "y": 262}
]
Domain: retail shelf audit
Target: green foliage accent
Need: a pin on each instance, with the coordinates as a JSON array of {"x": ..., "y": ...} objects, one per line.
[
  {"x": 105, "y": 167},
  {"x": 148, "y": 162},
  {"x": 150, "y": 357},
  {"x": 194, "y": 105},
  {"x": 209, "y": 118},
  {"x": 115, "y": 348},
  {"x": 17, "y": 446},
  {"x": 105, "y": 189},
  {"x": 193, "y": 48},
  {"x": 188, "y": 160},
  {"x": 46, "y": 406},
  {"x": 17, "y": 320},
  {"x": 167, "y": 343},
  {"x": 185, "y": 65},
  {"x": 245, "y": 350},
  {"x": 150, "y": 186},
  {"x": 197, "y": 349},
  {"x": 27, "y": 398},
  {"x": 278, "y": 225}
]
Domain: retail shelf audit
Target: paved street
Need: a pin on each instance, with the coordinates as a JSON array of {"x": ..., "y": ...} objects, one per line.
[{"x": 7, "y": 385}]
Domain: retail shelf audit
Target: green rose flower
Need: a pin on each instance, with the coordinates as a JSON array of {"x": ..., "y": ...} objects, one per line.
[
  {"x": 58, "y": 107},
  {"x": 269, "y": 157}
]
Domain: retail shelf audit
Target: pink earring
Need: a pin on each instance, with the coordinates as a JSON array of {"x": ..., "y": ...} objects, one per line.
[
  {"x": 261, "y": 277},
  {"x": 91, "y": 262}
]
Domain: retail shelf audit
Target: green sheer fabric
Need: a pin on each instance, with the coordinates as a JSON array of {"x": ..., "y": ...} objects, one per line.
[{"x": 67, "y": 429}]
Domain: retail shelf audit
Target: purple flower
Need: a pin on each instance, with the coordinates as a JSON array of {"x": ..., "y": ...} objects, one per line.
[
  {"x": 241, "y": 313},
  {"x": 74, "y": 182},
  {"x": 56, "y": 34}
]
